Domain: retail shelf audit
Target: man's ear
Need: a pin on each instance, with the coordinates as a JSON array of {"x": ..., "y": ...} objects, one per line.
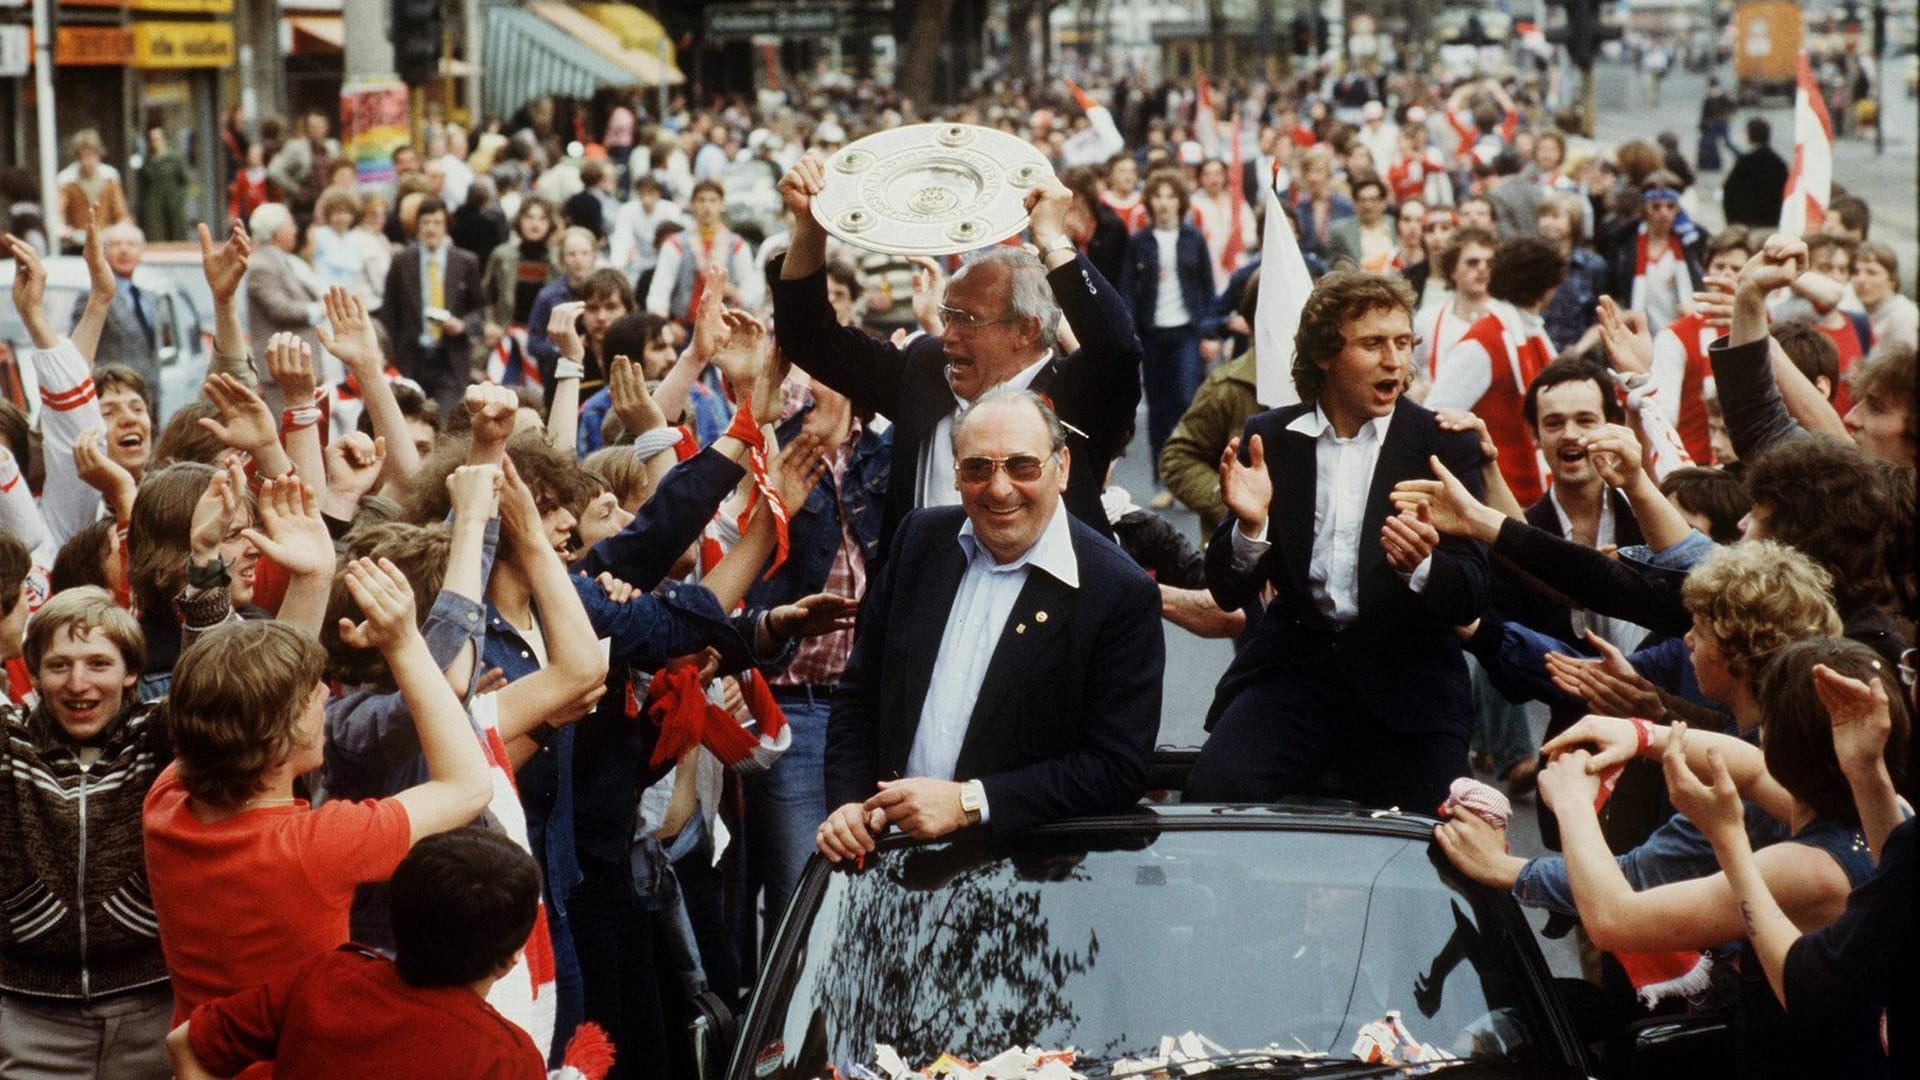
[{"x": 1066, "y": 467}]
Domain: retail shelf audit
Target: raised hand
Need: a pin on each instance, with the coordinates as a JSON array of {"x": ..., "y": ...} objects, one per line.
[
  {"x": 386, "y": 601},
  {"x": 1246, "y": 489},
  {"x": 30, "y": 290},
  {"x": 1861, "y": 716},
  {"x": 215, "y": 513},
  {"x": 104, "y": 474},
  {"x": 1465, "y": 420},
  {"x": 292, "y": 532},
  {"x": 802, "y": 183},
  {"x": 1604, "y": 689},
  {"x": 245, "y": 421},
  {"x": 564, "y": 328},
  {"x": 1616, "y": 455},
  {"x": 1628, "y": 340},
  {"x": 796, "y": 468},
  {"x": 1782, "y": 259},
  {"x": 100, "y": 281},
  {"x": 354, "y": 461},
  {"x": 744, "y": 355},
  {"x": 831, "y": 417},
  {"x": 290, "y": 362},
  {"x": 929, "y": 292},
  {"x": 349, "y": 333},
  {"x": 1450, "y": 507},
  {"x": 811, "y": 616},
  {"x": 492, "y": 411},
  {"x": 632, "y": 403},
  {"x": 226, "y": 266},
  {"x": 475, "y": 491},
  {"x": 1048, "y": 204},
  {"x": 1715, "y": 302},
  {"x": 711, "y": 330},
  {"x": 520, "y": 513},
  {"x": 1714, "y": 805}
]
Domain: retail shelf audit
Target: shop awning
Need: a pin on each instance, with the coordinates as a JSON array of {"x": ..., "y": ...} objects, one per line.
[
  {"x": 552, "y": 49},
  {"x": 323, "y": 34},
  {"x": 615, "y": 32}
]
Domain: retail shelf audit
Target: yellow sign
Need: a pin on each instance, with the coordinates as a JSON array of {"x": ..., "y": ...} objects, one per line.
[
  {"x": 211, "y": 7},
  {"x": 182, "y": 45}
]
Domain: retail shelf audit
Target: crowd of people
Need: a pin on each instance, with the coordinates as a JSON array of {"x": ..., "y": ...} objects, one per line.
[{"x": 561, "y": 552}]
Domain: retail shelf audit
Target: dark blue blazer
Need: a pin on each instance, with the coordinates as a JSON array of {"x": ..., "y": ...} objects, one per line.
[
  {"x": 1095, "y": 390},
  {"x": 1400, "y": 657},
  {"x": 1068, "y": 713},
  {"x": 1140, "y": 278}
]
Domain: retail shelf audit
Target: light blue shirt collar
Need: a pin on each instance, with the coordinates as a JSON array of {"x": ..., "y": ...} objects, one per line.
[{"x": 1053, "y": 552}]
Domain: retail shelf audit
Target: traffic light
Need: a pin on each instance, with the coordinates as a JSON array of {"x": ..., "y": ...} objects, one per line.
[
  {"x": 417, "y": 35},
  {"x": 1302, "y": 28},
  {"x": 1583, "y": 33}
]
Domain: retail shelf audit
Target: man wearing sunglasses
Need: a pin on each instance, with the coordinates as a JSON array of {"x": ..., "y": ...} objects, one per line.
[
  {"x": 1001, "y": 312},
  {"x": 1352, "y": 682},
  {"x": 1008, "y": 663}
]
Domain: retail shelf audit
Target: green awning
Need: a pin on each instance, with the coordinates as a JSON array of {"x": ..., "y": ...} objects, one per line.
[{"x": 528, "y": 57}]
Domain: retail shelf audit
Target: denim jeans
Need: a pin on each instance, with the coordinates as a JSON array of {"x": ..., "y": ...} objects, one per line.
[
  {"x": 787, "y": 803},
  {"x": 1172, "y": 375},
  {"x": 1500, "y": 727}
]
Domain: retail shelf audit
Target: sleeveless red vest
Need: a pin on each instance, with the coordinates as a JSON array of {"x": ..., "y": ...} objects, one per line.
[
  {"x": 1694, "y": 335},
  {"x": 1502, "y": 406}
]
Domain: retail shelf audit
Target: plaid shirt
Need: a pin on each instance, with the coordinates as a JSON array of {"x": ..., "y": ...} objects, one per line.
[{"x": 819, "y": 661}]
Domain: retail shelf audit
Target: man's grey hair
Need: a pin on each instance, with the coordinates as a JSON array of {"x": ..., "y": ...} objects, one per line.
[
  {"x": 1030, "y": 297},
  {"x": 1001, "y": 395},
  {"x": 123, "y": 228},
  {"x": 267, "y": 219}
]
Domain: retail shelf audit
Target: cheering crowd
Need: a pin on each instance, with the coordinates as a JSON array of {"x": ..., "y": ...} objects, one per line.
[{"x": 567, "y": 546}]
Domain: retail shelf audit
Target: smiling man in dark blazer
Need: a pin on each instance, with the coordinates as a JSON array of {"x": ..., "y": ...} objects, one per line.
[
  {"x": 1008, "y": 661},
  {"x": 1000, "y": 315},
  {"x": 1355, "y": 669}
]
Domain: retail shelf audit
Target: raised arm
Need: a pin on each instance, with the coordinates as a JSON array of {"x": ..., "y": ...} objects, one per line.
[
  {"x": 475, "y": 492},
  {"x": 290, "y": 361},
  {"x": 807, "y": 250},
  {"x": 575, "y": 665},
  {"x": 69, "y": 404},
  {"x": 246, "y": 424},
  {"x": 349, "y": 335},
  {"x": 226, "y": 268},
  {"x": 459, "y": 782},
  {"x": 100, "y": 291},
  {"x": 292, "y": 533},
  {"x": 563, "y": 415}
]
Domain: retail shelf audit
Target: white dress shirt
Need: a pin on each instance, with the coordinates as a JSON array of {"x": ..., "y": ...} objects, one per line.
[
  {"x": 981, "y": 605},
  {"x": 1619, "y": 633},
  {"x": 934, "y": 485},
  {"x": 1343, "y": 476}
]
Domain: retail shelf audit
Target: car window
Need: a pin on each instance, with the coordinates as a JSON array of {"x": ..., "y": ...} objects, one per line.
[{"x": 1248, "y": 938}]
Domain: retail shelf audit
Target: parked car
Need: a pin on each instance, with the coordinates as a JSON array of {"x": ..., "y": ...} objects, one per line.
[
  {"x": 1270, "y": 937},
  {"x": 169, "y": 275}
]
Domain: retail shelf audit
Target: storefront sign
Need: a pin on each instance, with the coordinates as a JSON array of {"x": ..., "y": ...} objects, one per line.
[
  {"x": 743, "y": 20},
  {"x": 182, "y": 45},
  {"x": 210, "y": 7},
  {"x": 93, "y": 46}
]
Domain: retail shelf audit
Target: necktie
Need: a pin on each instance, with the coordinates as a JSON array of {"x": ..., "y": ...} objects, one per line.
[
  {"x": 140, "y": 312},
  {"x": 436, "y": 295}
]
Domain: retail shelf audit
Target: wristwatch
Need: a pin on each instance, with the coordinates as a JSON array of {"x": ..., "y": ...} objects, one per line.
[
  {"x": 973, "y": 797},
  {"x": 1060, "y": 243}
]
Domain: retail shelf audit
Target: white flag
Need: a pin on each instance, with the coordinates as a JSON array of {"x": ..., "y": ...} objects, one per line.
[
  {"x": 1284, "y": 285},
  {"x": 1804, "y": 205}
]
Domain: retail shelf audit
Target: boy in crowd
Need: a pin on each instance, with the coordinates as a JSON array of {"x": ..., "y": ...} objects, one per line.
[{"x": 463, "y": 903}]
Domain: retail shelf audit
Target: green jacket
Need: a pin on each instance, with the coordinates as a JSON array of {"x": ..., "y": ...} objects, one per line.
[
  {"x": 1190, "y": 460},
  {"x": 160, "y": 199}
]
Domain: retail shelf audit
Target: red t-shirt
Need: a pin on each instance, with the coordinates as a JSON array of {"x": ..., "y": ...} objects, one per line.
[
  {"x": 248, "y": 899},
  {"x": 347, "y": 1015},
  {"x": 1846, "y": 341}
]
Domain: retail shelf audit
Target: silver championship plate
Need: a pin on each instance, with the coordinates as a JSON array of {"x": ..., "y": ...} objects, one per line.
[{"x": 930, "y": 189}]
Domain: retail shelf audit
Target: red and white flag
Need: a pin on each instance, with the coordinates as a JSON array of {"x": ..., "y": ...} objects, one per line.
[
  {"x": 1237, "y": 227},
  {"x": 1206, "y": 122},
  {"x": 1804, "y": 205},
  {"x": 1099, "y": 140},
  {"x": 1284, "y": 285}
]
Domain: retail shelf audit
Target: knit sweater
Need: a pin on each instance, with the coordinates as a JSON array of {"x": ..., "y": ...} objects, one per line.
[{"x": 71, "y": 834}]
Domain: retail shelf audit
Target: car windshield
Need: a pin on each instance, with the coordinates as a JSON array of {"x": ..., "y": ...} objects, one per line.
[{"x": 1249, "y": 939}]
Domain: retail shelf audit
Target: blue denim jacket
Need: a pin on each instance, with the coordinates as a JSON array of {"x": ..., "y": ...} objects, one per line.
[{"x": 1676, "y": 851}]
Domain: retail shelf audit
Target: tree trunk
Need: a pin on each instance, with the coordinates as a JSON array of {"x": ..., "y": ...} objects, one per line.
[{"x": 920, "y": 62}]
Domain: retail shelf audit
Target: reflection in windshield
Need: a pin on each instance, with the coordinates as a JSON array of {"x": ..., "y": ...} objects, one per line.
[{"x": 1291, "y": 941}]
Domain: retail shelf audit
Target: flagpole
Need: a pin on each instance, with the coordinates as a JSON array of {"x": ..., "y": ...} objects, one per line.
[{"x": 43, "y": 119}]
